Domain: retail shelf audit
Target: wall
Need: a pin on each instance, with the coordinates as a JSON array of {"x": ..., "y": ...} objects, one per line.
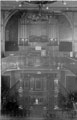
[
  {"x": 71, "y": 83},
  {"x": 58, "y": 28},
  {"x": 2, "y": 32},
  {"x": 11, "y": 34},
  {"x": 38, "y": 29},
  {"x": 4, "y": 15},
  {"x": 11, "y": 30},
  {"x": 65, "y": 32},
  {"x": 75, "y": 30}
]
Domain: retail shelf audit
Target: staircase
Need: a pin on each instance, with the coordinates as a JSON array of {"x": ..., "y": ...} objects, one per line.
[{"x": 7, "y": 96}]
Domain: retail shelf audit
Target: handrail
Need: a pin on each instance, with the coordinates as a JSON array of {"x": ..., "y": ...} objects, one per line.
[
  {"x": 14, "y": 85},
  {"x": 75, "y": 106}
]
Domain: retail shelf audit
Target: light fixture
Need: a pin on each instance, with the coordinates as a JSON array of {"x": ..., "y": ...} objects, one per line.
[
  {"x": 58, "y": 68},
  {"x": 64, "y": 2},
  {"x": 38, "y": 72},
  {"x": 20, "y": 90},
  {"x": 20, "y": 107},
  {"x": 22, "y": 39},
  {"x": 36, "y": 101},
  {"x": 17, "y": 0},
  {"x": 20, "y": 5},
  {"x": 51, "y": 39},
  {"x": 11, "y": 54},
  {"x": 47, "y": 7},
  {"x": 56, "y": 107},
  {"x": 67, "y": 8}
]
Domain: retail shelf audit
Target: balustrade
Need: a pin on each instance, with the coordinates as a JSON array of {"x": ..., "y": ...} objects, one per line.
[{"x": 33, "y": 59}]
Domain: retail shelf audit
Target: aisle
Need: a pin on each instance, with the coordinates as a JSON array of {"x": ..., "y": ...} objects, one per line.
[{"x": 37, "y": 112}]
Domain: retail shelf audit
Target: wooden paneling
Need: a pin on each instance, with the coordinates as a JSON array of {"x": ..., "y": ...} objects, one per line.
[{"x": 65, "y": 46}]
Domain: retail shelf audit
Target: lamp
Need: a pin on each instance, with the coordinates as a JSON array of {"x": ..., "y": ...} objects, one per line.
[{"x": 64, "y": 2}]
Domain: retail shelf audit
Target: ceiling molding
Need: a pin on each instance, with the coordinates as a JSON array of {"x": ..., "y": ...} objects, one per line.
[{"x": 57, "y": 5}]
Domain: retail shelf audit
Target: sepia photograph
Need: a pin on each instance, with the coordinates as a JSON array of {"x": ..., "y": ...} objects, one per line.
[{"x": 38, "y": 60}]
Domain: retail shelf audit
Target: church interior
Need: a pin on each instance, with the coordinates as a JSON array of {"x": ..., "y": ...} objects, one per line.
[{"x": 38, "y": 60}]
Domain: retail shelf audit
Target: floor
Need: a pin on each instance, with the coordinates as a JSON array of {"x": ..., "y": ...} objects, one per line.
[{"x": 60, "y": 115}]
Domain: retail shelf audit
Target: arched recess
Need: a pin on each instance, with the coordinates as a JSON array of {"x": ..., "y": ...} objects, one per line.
[
  {"x": 11, "y": 31},
  {"x": 5, "y": 21},
  {"x": 15, "y": 11},
  {"x": 65, "y": 29},
  {"x": 69, "y": 20},
  {"x": 9, "y": 16}
]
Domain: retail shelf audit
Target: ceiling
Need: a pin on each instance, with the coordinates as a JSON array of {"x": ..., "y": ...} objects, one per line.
[{"x": 57, "y": 5}]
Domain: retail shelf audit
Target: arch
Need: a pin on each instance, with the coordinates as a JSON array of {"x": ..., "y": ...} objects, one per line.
[
  {"x": 5, "y": 23},
  {"x": 69, "y": 20},
  {"x": 14, "y": 11},
  {"x": 9, "y": 16}
]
